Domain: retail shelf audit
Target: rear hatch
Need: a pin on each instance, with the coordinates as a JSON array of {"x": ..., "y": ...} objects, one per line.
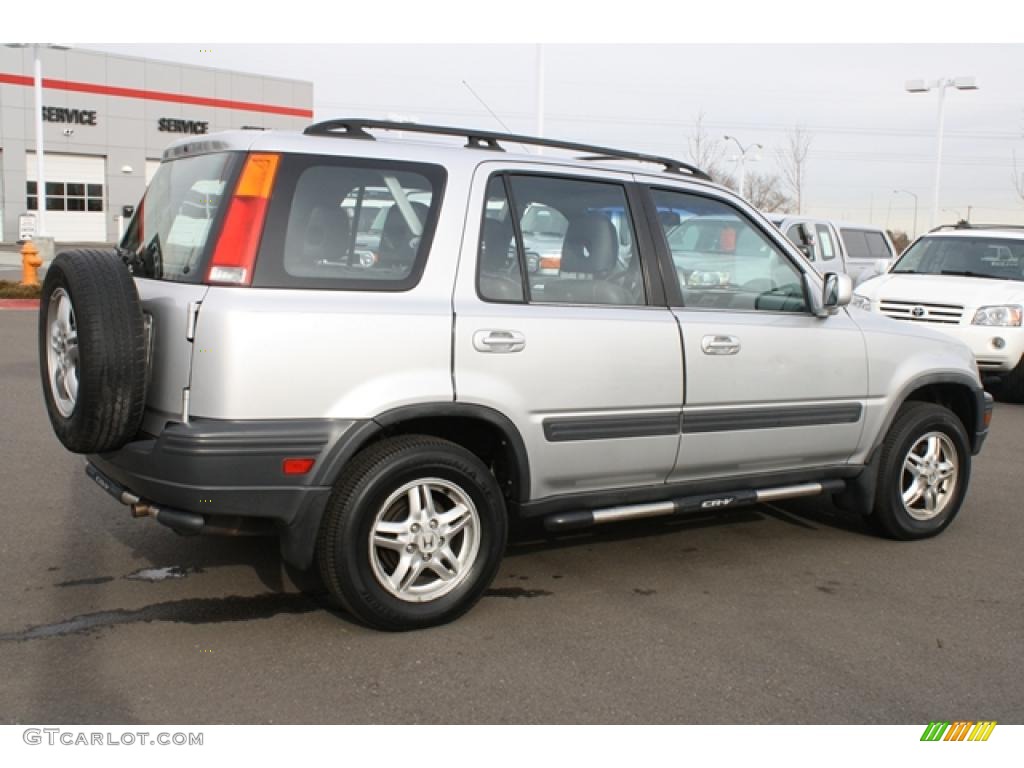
[{"x": 170, "y": 241}]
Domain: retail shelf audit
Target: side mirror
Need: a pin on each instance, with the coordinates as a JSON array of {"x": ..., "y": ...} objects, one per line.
[
  {"x": 806, "y": 233},
  {"x": 837, "y": 292}
]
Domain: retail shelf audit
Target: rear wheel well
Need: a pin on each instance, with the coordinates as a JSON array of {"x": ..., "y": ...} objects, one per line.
[{"x": 485, "y": 440}]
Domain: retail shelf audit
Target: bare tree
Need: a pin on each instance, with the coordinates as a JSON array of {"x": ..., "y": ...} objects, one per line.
[
  {"x": 706, "y": 152},
  {"x": 900, "y": 240},
  {"x": 765, "y": 192},
  {"x": 793, "y": 163}
]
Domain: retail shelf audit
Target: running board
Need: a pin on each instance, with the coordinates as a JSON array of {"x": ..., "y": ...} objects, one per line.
[{"x": 567, "y": 521}]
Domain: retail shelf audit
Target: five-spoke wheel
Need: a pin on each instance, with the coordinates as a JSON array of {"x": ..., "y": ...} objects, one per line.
[
  {"x": 925, "y": 464},
  {"x": 62, "y": 352},
  {"x": 425, "y": 539},
  {"x": 413, "y": 534}
]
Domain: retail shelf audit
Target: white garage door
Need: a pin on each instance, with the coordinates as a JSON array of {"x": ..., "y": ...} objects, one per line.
[
  {"x": 151, "y": 166},
  {"x": 74, "y": 196}
]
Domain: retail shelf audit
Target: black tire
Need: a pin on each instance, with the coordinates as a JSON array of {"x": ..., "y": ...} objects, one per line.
[
  {"x": 110, "y": 356},
  {"x": 1011, "y": 388},
  {"x": 890, "y": 517},
  {"x": 347, "y": 564}
]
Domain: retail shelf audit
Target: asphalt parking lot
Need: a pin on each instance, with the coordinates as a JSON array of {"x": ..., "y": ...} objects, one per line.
[{"x": 788, "y": 614}]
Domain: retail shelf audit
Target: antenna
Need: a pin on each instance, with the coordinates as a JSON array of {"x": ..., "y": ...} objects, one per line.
[{"x": 491, "y": 111}]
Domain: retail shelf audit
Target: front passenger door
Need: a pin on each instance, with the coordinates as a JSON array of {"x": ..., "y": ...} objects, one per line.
[{"x": 769, "y": 386}]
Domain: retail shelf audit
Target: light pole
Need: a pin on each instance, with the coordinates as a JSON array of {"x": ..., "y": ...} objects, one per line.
[
  {"x": 743, "y": 160},
  {"x": 908, "y": 192},
  {"x": 40, "y": 164},
  {"x": 922, "y": 86}
]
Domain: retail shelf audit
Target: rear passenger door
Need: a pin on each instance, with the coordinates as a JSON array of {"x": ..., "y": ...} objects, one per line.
[{"x": 560, "y": 324}]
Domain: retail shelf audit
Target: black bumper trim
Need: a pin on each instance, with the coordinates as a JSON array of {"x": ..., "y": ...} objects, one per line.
[{"x": 217, "y": 468}]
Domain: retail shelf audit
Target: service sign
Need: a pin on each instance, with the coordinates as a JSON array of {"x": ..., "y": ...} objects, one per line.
[
  {"x": 174, "y": 125},
  {"x": 69, "y": 116}
]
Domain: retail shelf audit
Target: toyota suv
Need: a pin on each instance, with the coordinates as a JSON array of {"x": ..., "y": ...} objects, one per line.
[
  {"x": 244, "y": 366},
  {"x": 968, "y": 282}
]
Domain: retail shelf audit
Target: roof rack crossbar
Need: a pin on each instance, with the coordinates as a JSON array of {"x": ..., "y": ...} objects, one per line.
[
  {"x": 972, "y": 225},
  {"x": 356, "y": 128}
]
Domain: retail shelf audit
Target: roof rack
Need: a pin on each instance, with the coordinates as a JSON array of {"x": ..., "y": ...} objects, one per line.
[
  {"x": 971, "y": 225},
  {"x": 355, "y": 128}
]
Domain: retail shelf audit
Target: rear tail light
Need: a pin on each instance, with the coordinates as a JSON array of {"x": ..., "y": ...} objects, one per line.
[{"x": 235, "y": 256}]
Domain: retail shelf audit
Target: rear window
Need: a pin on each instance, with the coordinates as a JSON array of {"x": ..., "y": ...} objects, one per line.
[
  {"x": 173, "y": 229},
  {"x": 349, "y": 224}
]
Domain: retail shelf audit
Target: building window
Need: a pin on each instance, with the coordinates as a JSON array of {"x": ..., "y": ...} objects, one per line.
[{"x": 71, "y": 196}]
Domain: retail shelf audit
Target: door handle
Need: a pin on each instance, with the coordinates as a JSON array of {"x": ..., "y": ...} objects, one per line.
[
  {"x": 499, "y": 341},
  {"x": 720, "y": 345}
]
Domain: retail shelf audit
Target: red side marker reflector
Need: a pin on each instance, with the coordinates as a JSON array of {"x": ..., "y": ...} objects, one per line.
[{"x": 297, "y": 466}]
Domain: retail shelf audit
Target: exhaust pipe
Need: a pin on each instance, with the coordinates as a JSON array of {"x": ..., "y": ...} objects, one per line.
[{"x": 177, "y": 520}]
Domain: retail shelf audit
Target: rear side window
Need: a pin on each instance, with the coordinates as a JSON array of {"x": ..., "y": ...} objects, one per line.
[
  {"x": 572, "y": 239},
  {"x": 856, "y": 243},
  {"x": 349, "y": 224},
  {"x": 877, "y": 246},
  {"x": 175, "y": 225}
]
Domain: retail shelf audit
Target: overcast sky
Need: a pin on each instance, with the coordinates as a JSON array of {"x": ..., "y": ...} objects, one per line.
[{"x": 869, "y": 135}]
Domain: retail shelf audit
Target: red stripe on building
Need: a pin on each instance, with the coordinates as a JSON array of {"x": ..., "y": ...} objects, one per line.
[
  {"x": 19, "y": 303},
  {"x": 173, "y": 98}
]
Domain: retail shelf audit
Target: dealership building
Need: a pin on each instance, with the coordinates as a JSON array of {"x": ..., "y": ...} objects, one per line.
[{"x": 106, "y": 121}]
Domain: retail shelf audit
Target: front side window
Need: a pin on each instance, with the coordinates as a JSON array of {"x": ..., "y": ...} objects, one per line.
[
  {"x": 573, "y": 238},
  {"x": 997, "y": 258},
  {"x": 723, "y": 261},
  {"x": 796, "y": 236}
]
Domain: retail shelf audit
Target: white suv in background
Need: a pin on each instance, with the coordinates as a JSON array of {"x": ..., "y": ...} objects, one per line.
[{"x": 968, "y": 282}]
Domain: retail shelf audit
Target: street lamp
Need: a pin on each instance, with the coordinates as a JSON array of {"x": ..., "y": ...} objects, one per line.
[
  {"x": 743, "y": 160},
  {"x": 38, "y": 88},
  {"x": 908, "y": 192},
  {"x": 922, "y": 86}
]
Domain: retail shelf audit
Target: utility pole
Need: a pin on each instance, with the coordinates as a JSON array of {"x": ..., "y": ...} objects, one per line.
[{"x": 920, "y": 86}]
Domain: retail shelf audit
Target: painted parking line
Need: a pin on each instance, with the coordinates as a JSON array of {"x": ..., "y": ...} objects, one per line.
[{"x": 19, "y": 303}]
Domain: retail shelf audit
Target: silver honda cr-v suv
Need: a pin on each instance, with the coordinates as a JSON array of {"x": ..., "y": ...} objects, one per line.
[{"x": 349, "y": 340}]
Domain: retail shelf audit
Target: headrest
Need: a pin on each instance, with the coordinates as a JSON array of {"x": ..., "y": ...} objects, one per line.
[
  {"x": 327, "y": 234},
  {"x": 396, "y": 240},
  {"x": 591, "y": 245}
]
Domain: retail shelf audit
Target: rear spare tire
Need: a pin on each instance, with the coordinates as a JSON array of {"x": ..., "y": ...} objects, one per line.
[{"x": 92, "y": 351}]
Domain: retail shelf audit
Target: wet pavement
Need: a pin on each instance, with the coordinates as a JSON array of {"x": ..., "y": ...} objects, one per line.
[{"x": 782, "y": 613}]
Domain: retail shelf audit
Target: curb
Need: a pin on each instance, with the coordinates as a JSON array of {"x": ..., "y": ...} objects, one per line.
[{"x": 19, "y": 303}]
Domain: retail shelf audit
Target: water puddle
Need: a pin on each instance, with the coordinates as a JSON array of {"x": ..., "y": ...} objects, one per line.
[{"x": 209, "y": 610}]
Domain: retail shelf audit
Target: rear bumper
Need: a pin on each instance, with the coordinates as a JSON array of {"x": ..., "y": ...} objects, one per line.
[{"x": 232, "y": 469}]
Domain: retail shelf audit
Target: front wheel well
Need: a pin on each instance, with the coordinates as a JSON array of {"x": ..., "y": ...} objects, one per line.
[{"x": 956, "y": 397}]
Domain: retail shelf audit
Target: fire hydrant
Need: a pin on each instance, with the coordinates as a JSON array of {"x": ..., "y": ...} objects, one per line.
[{"x": 30, "y": 264}]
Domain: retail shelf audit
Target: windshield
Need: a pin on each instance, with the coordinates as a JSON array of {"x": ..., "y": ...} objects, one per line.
[
  {"x": 170, "y": 231},
  {"x": 997, "y": 258}
]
